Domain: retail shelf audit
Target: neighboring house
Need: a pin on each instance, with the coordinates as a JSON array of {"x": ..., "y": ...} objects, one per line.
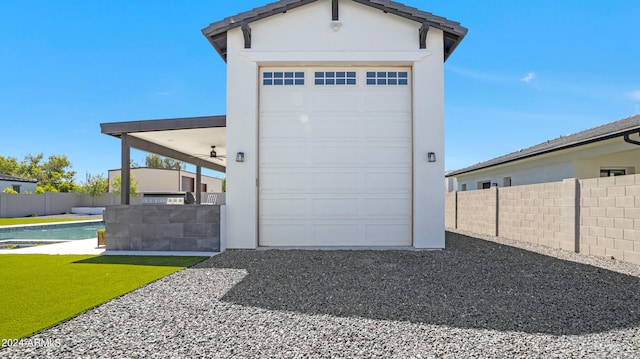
[
  {"x": 167, "y": 180},
  {"x": 20, "y": 185},
  {"x": 450, "y": 183},
  {"x": 612, "y": 149},
  {"x": 334, "y": 125}
]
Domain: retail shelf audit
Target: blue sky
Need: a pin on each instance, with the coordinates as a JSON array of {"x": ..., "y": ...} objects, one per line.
[{"x": 527, "y": 71}]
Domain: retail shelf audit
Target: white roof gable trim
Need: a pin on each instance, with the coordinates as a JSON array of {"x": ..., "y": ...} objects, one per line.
[{"x": 216, "y": 32}]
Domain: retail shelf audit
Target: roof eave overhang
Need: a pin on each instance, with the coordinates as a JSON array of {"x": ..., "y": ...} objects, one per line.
[
  {"x": 20, "y": 180},
  {"x": 217, "y": 35},
  {"x": 117, "y": 129},
  {"x": 543, "y": 152}
]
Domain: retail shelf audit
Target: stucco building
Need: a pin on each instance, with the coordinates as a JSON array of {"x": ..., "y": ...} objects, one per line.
[
  {"x": 334, "y": 132},
  {"x": 20, "y": 185},
  {"x": 167, "y": 180}
]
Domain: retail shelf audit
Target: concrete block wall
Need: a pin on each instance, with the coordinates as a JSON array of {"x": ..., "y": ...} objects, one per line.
[
  {"x": 598, "y": 216},
  {"x": 542, "y": 213},
  {"x": 60, "y": 202},
  {"x": 22, "y": 205},
  {"x": 610, "y": 217},
  {"x": 163, "y": 228},
  {"x": 476, "y": 211}
]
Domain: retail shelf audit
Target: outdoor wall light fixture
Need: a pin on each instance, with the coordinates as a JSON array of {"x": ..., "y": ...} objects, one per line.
[
  {"x": 240, "y": 157},
  {"x": 431, "y": 156},
  {"x": 213, "y": 153}
]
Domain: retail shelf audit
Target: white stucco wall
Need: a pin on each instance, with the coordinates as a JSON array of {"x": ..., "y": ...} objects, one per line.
[
  {"x": 367, "y": 37},
  {"x": 165, "y": 180},
  {"x": 580, "y": 162},
  {"x": 25, "y": 187},
  {"x": 428, "y": 136},
  {"x": 590, "y": 168}
]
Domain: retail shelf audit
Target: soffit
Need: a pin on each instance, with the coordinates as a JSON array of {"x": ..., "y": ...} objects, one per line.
[{"x": 185, "y": 139}]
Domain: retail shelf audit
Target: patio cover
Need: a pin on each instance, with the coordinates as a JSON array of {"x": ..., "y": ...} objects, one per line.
[{"x": 186, "y": 139}]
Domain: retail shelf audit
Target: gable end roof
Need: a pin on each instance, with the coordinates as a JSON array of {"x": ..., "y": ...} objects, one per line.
[
  {"x": 629, "y": 125},
  {"x": 216, "y": 32}
]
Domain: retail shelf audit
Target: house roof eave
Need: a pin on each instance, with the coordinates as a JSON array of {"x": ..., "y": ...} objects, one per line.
[
  {"x": 216, "y": 32},
  {"x": 118, "y": 128},
  {"x": 627, "y": 126},
  {"x": 8, "y": 178}
]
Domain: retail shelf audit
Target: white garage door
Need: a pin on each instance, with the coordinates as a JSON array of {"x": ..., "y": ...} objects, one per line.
[{"x": 335, "y": 157}]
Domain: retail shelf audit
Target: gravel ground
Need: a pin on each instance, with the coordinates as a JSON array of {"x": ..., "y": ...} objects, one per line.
[{"x": 476, "y": 299}]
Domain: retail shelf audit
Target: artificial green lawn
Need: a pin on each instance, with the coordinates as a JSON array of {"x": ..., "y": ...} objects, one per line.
[
  {"x": 36, "y": 220},
  {"x": 38, "y": 291}
]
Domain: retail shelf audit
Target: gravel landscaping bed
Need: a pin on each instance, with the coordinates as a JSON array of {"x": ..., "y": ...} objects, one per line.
[{"x": 476, "y": 299}]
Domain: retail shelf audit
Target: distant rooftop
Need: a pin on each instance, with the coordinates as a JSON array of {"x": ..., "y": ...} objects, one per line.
[
  {"x": 16, "y": 179},
  {"x": 607, "y": 131}
]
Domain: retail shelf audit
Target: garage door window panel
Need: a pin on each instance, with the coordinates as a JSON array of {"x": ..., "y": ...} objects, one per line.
[
  {"x": 390, "y": 78},
  {"x": 335, "y": 78},
  {"x": 282, "y": 78}
]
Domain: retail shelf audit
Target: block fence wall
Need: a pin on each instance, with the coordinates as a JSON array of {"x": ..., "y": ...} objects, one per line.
[
  {"x": 599, "y": 216},
  {"x": 22, "y": 205}
]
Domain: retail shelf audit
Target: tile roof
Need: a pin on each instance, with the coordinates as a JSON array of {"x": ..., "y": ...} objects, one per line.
[
  {"x": 607, "y": 131},
  {"x": 16, "y": 179},
  {"x": 216, "y": 32}
]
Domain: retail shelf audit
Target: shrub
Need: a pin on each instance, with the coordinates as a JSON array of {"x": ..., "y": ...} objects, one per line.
[
  {"x": 9, "y": 190},
  {"x": 50, "y": 188},
  {"x": 65, "y": 187}
]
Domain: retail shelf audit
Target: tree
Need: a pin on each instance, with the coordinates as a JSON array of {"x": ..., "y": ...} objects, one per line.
[
  {"x": 54, "y": 175},
  {"x": 94, "y": 186},
  {"x": 155, "y": 161},
  {"x": 57, "y": 171},
  {"x": 8, "y": 165},
  {"x": 46, "y": 188},
  {"x": 116, "y": 184},
  {"x": 31, "y": 168}
]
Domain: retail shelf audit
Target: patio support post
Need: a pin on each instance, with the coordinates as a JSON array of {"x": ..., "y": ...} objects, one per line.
[
  {"x": 198, "y": 185},
  {"x": 125, "y": 172}
]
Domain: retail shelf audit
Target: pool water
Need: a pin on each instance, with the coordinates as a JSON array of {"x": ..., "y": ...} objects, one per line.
[{"x": 57, "y": 231}]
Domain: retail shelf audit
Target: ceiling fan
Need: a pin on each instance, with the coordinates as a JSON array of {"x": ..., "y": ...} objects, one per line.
[{"x": 213, "y": 154}]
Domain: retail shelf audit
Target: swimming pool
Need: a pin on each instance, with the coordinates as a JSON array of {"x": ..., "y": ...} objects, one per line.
[{"x": 61, "y": 231}]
